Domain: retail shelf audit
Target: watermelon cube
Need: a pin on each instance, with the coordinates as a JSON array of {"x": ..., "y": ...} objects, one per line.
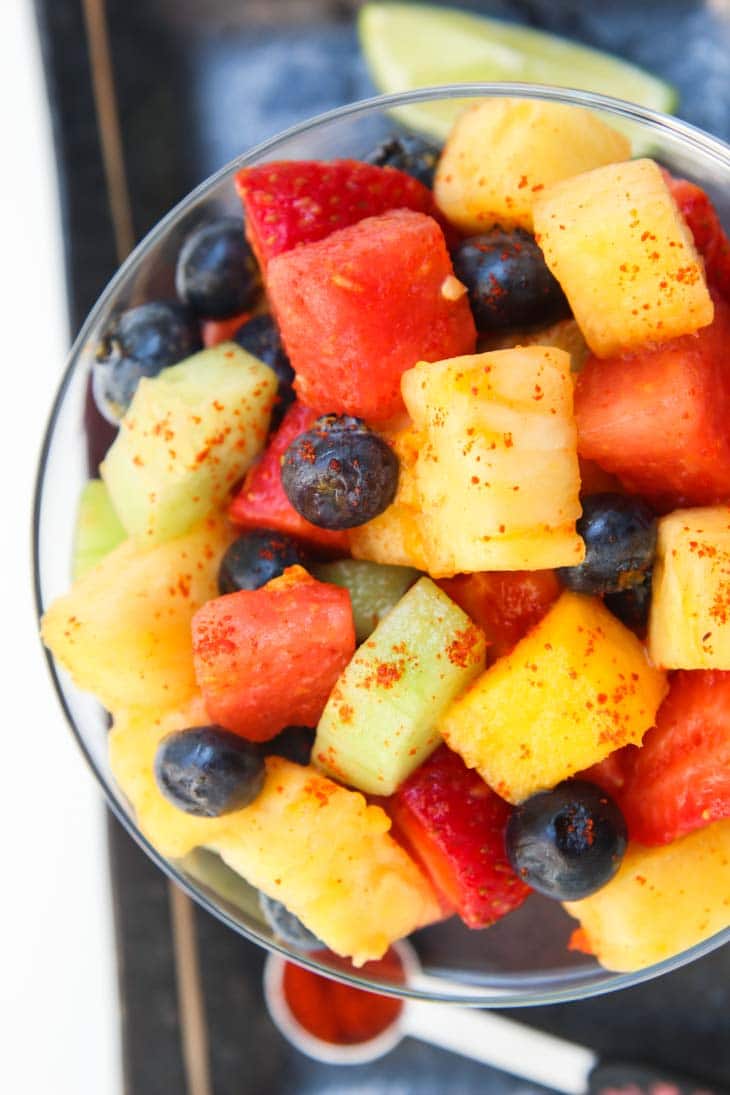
[
  {"x": 261, "y": 502},
  {"x": 359, "y": 308},
  {"x": 454, "y": 824},
  {"x": 269, "y": 658}
]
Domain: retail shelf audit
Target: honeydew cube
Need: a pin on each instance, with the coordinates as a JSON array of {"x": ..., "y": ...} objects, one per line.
[
  {"x": 624, "y": 256},
  {"x": 577, "y": 687},
  {"x": 502, "y": 153},
  {"x": 689, "y": 624},
  {"x": 496, "y": 475}
]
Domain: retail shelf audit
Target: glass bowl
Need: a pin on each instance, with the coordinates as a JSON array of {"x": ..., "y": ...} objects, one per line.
[{"x": 523, "y": 959}]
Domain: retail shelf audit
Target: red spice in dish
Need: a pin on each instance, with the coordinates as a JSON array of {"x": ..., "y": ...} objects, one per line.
[{"x": 336, "y": 1012}]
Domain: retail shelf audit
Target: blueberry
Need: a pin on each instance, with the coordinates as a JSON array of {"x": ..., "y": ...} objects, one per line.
[
  {"x": 255, "y": 558},
  {"x": 217, "y": 275},
  {"x": 207, "y": 771},
  {"x": 260, "y": 336},
  {"x": 620, "y": 538},
  {"x": 141, "y": 342},
  {"x": 567, "y": 842},
  {"x": 294, "y": 743},
  {"x": 287, "y": 926},
  {"x": 632, "y": 605},
  {"x": 508, "y": 281},
  {"x": 407, "y": 153},
  {"x": 339, "y": 474}
]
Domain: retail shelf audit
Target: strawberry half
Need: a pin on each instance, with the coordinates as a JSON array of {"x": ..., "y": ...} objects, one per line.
[
  {"x": 454, "y": 824},
  {"x": 303, "y": 201},
  {"x": 679, "y": 780}
]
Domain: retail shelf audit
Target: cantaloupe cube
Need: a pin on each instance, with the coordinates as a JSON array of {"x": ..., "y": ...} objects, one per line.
[
  {"x": 689, "y": 626},
  {"x": 578, "y": 686},
  {"x": 502, "y": 153},
  {"x": 123, "y": 630},
  {"x": 497, "y": 472},
  {"x": 662, "y": 901},
  {"x": 617, "y": 243}
]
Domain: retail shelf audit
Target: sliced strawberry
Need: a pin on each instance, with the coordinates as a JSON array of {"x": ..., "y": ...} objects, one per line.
[
  {"x": 302, "y": 201},
  {"x": 679, "y": 780},
  {"x": 261, "y": 502},
  {"x": 504, "y": 604},
  {"x": 611, "y": 774},
  {"x": 454, "y": 824},
  {"x": 215, "y": 331},
  {"x": 706, "y": 228}
]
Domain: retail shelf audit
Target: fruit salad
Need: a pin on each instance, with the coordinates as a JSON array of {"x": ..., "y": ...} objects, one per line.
[{"x": 406, "y": 579}]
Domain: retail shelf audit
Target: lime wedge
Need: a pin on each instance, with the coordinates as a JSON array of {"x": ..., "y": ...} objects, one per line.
[{"x": 408, "y": 46}]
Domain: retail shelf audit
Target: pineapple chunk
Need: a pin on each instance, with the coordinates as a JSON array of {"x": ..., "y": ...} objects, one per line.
[
  {"x": 396, "y": 535},
  {"x": 617, "y": 243},
  {"x": 689, "y": 627},
  {"x": 563, "y": 335},
  {"x": 662, "y": 901},
  {"x": 497, "y": 473},
  {"x": 380, "y": 720},
  {"x": 502, "y": 153},
  {"x": 578, "y": 686},
  {"x": 123, "y": 630},
  {"x": 317, "y": 847}
]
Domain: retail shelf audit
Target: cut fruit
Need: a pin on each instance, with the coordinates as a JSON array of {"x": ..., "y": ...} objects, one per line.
[
  {"x": 190, "y": 433},
  {"x": 576, "y": 688},
  {"x": 662, "y": 901},
  {"x": 497, "y": 473},
  {"x": 455, "y": 826},
  {"x": 98, "y": 529},
  {"x": 363, "y": 305},
  {"x": 689, "y": 624},
  {"x": 563, "y": 335},
  {"x": 409, "y": 46},
  {"x": 624, "y": 256},
  {"x": 123, "y": 630},
  {"x": 380, "y": 721},
  {"x": 268, "y": 658},
  {"x": 710, "y": 237},
  {"x": 374, "y": 589},
  {"x": 503, "y": 153}
]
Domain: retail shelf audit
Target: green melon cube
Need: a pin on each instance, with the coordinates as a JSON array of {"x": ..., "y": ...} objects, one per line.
[
  {"x": 190, "y": 433},
  {"x": 98, "y": 529},
  {"x": 373, "y": 587},
  {"x": 380, "y": 720}
]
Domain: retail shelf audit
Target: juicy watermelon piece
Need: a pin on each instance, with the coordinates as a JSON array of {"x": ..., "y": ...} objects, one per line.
[
  {"x": 679, "y": 780},
  {"x": 659, "y": 418},
  {"x": 261, "y": 502},
  {"x": 706, "y": 228},
  {"x": 303, "y": 201},
  {"x": 215, "y": 331},
  {"x": 269, "y": 658},
  {"x": 359, "y": 308},
  {"x": 505, "y": 604},
  {"x": 454, "y": 824}
]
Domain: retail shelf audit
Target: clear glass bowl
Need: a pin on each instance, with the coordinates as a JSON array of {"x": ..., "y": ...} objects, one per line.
[{"x": 523, "y": 959}]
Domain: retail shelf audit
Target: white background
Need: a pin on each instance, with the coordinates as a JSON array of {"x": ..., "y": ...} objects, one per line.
[{"x": 59, "y": 1013}]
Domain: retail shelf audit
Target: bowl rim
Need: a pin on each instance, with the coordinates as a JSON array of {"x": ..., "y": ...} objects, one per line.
[{"x": 467, "y": 994}]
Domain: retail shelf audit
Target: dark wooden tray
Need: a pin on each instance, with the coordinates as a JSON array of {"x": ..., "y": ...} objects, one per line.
[{"x": 148, "y": 98}]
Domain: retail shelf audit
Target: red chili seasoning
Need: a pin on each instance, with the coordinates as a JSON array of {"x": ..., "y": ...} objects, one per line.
[{"x": 338, "y": 1013}]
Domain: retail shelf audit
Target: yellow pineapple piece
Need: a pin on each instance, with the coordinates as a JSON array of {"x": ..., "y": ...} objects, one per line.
[
  {"x": 396, "y": 536},
  {"x": 662, "y": 901},
  {"x": 123, "y": 630},
  {"x": 563, "y": 335},
  {"x": 689, "y": 626},
  {"x": 502, "y": 153},
  {"x": 497, "y": 472},
  {"x": 578, "y": 686},
  {"x": 617, "y": 243}
]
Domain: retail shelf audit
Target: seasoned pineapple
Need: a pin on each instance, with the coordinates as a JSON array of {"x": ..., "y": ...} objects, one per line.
[
  {"x": 502, "y": 153},
  {"x": 123, "y": 630},
  {"x": 689, "y": 626},
  {"x": 617, "y": 243},
  {"x": 662, "y": 901},
  {"x": 576, "y": 688},
  {"x": 497, "y": 472}
]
